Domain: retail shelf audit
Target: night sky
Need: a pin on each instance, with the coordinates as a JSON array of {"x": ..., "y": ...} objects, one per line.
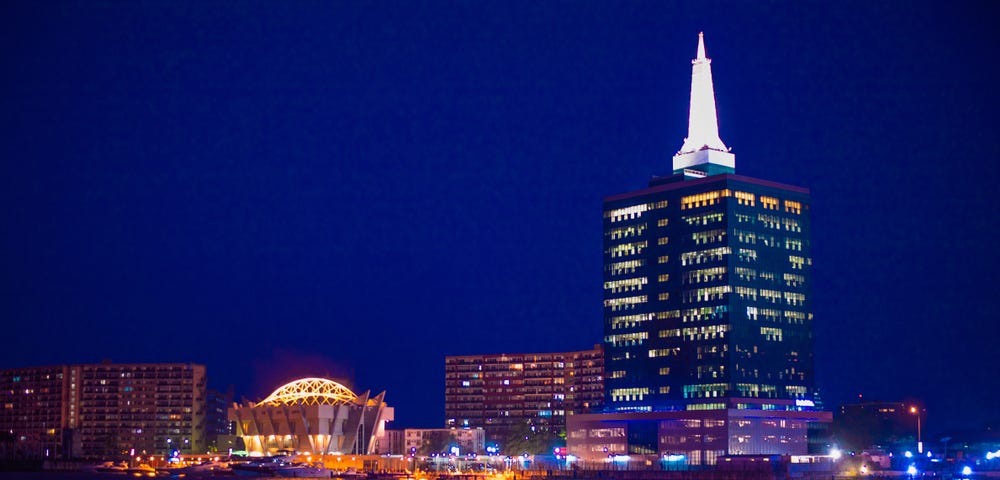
[{"x": 357, "y": 189}]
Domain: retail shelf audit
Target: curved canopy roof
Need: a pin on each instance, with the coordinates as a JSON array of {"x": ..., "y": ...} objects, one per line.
[{"x": 311, "y": 391}]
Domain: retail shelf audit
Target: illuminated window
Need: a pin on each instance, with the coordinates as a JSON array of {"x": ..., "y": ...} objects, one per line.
[
  {"x": 665, "y": 389},
  {"x": 747, "y": 255},
  {"x": 628, "y": 394},
  {"x": 793, "y": 280},
  {"x": 616, "y": 304},
  {"x": 664, "y": 352},
  {"x": 662, "y": 240},
  {"x": 663, "y": 296},
  {"x": 769, "y": 221},
  {"x": 668, "y": 314},
  {"x": 626, "y": 213},
  {"x": 663, "y": 277},
  {"x": 705, "y": 256},
  {"x": 744, "y": 198},
  {"x": 628, "y": 321},
  {"x": 626, "y": 339},
  {"x": 617, "y": 374},
  {"x": 771, "y": 334},
  {"x": 706, "y": 390},
  {"x": 745, "y": 236},
  {"x": 795, "y": 299},
  {"x": 710, "y": 274},
  {"x": 663, "y": 259},
  {"x": 660, "y": 204},
  {"x": 746, "y": 274},
  {"x": 629, "y": 231},
  {"x": 628, "y": 266},
  {"x": 625, "y": 285},
  {"x": 665, "y": 371},
  {"x": 796, "y": 261},
  {"x": 703, "y": 199},
  {"x": 672, "y": 333},
  {"x": 627, "y": 249},
  {"x": 791, "y": 225},
  {"x": 769, "y": 203},
  {"x": 706, "y": 294},
  {"x": 711, "y": 236},
  {"x": 704, "y": 219},
  {"x": 793, "y": 207},
  {"x": 662, "y": 222},
  {"x": 746, "y": 293}
]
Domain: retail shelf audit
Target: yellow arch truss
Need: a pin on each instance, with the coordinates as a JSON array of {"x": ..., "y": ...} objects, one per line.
[{"x": 311, "y": 391}]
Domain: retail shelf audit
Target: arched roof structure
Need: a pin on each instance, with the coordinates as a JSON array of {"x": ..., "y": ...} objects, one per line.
[{"x": 311, "y": 391}]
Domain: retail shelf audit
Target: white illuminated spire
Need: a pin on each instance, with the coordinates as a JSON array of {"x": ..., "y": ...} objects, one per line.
[
  {"x": 703, "y": 123},
  {"x": 703, "y": 152}
]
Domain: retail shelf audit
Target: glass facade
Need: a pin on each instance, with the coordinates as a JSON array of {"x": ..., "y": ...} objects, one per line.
[{"x": 707, "y": 295}]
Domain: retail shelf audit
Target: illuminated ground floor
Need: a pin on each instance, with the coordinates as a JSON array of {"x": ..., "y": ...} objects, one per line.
[{"x": 690, "y": 437}]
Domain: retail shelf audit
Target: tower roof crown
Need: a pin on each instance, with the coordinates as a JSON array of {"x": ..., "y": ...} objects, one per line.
[
  {"x": 703, "y": 152},
  {"x": 703, "y": 122}
]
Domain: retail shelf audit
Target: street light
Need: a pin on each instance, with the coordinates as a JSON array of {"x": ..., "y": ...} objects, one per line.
[{"x": 920, "y": 444}]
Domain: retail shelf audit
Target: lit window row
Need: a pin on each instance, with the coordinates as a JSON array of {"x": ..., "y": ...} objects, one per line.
[
  {"x": 746, "y": 274},
  {"x": 626, "y": 339},
  {"x": 664, "y": 352},
  {"x": 793, "y": 207},
  {"x": 710, "y": 236},
  {"x": 791, "y": 225},
  {"x": 793, "y": 244},
  {"x": 668, "y": 314},
  {"x": 663, "y": 259},
  {"x": 745, "y": 236},
  {"x": 627, "y": 249},
  {"x": 628, "y": 321},
  {"x": 624, "y": 303},
  {"x": 705, "y": 219},
  {"x": 628, "y": 394},
  {"x": 626, "y": 232},
  {"x": 701, "y": 314},
  {"x": 628, "y": 266},
  {"x": 706, "y": 294},
  {"x": 664, "y": 371},
  {"x": 617, "y": 374},
  {"x": 797, "y": 261},
  {"x": 744, "y": 198},
  {"x": 663, "y": 296},
  {"x": 662, "y": 222},
  {"x": 747, "y": 255},
  {"x": 665, "y": 389},
  {"x": 751, "y": 390},
  {"x": 625, "y": 285},
  {"x": 746, "y": 293},
  {"x": 771, "y": 334},
  {"x": 705, "y": 333},
  {"x": 769, "y": 203},
  {"x": 662, "y": 240},
  {"x": 794, "y": 318},
  {"x": 792, "y": 298},
  {"x": 705, "y": 256},
  {"x": 663, "y": 277},
  {"x": 704, "y": 199},
  {"x": 706, "y": 390},
  {"x": 769, "y": 221},
  {"x": 701, "y": 275},
  {"x": 772, "y": 296},
  {"x": 626, "y": 213}
]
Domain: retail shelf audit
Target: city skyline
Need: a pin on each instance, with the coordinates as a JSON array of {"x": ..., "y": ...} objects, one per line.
[{"x": 356, "y": 191}]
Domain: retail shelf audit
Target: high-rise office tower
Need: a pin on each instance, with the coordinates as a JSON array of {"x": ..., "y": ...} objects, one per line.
[{"x": 707, "y": 307}]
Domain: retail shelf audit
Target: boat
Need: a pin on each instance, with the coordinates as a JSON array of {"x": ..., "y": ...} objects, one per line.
[
  {"x": 110, "y": 467},
  {"x": 141, "y": 470}
]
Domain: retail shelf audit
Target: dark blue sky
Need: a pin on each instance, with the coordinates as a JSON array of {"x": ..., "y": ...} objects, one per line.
[{"x": 357, "y": 189}]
